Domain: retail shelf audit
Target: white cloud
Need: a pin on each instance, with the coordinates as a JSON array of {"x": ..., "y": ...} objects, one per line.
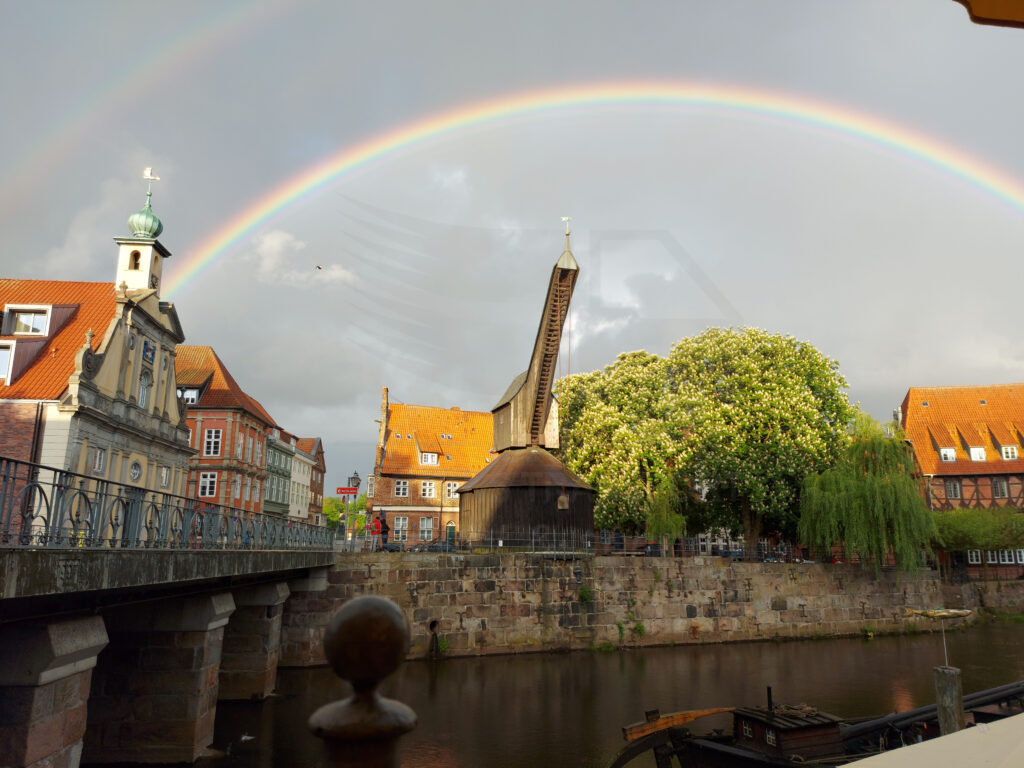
[{"x": 279, "y": 260}]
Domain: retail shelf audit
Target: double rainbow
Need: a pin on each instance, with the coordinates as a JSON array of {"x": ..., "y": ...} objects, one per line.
[{"x": 729, "y": 99}]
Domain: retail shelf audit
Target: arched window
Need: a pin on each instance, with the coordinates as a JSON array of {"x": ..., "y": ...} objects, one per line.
[
  {"x": 135, "y": 261},
  {"x": 145, "y": 383}
]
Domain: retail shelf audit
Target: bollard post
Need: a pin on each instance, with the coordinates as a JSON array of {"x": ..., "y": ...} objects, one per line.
[
  {"x": 949, "y": 699},
  {"x": 364, "y": 642}
]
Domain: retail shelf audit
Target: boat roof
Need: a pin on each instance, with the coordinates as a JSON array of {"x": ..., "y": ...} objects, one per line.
[{"x": 788, "y": 717}]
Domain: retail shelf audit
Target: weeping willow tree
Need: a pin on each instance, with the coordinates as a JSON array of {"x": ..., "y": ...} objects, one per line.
[
  {"x": 999, "y": 528},
  {"x": 666, "y": 512},
  {"x": 869, "y": 503}
]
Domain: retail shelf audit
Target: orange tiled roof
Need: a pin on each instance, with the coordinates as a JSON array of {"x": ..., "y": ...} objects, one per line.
[
  {"x": 195, "y": 363},
  {"x": 307, "y": 444},
  {"x": 92, "y": 306},
  {"x": 424, "y": 428},
  {"x": 989, "y": 417}
]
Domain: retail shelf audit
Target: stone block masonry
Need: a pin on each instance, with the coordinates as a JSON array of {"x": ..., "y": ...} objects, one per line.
[{"x": 513, "y": 603}]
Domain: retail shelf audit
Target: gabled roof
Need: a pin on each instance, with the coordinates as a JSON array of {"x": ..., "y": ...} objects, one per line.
[
  {"x": 84, "y": 306},
  {"x": 986, "y": 417},
  {"x": 195, "y": 363},
  {"x": 412, "y": 429}
]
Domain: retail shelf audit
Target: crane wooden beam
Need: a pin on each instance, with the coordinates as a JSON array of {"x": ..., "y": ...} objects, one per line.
[{"x": 524, "y": 416}]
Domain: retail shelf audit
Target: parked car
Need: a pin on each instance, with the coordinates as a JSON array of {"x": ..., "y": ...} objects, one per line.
[
  {"x": 441, "y": 546},
  {"x": 394, "y": 546}
]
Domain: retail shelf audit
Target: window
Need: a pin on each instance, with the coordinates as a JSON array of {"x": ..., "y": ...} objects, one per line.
[
  {"x": 947, "y": 454},
  {"x": 238, "y": 445},
  {"x": 977, "y": 454},
  {"x": 190, "y": 396},
  {"x": 207, "y": 484},
  {"x": 400, "y": 528},
  {"x": 211, "y": 442},
  {"x": 401, "y": 488},
  {"x": 451, "y": 490},
  {"x": 428, "y": 458},
  {"x": 426, "y": 529},
  {"x": 991, "y": 556},
  {"x": 248, "y": 488},
  {"x": 30, "y": 321},
  {"x": 1009, "y": 451},
  {"x": 6, "y": 353},
  {"x": 248, "y": 448},
  {"x": 999, "y": 489},
  {"x": 135, "y": 260},
  {"x": 427, "y": 489},
  {"x": 1006, "y": 557},
  {"x": 236, "y": 487},
  {"x": 748, "y": 732},
  {"x": 259, "y": 452},
  {"x": 369, "y": 486},
  {"x": 974, "y": 557},
  {"x": 769, "y": 736},
  {"x": 1020, "y": 556},
  {"x": 952, "y": 489},
  {"x": 99, "y": 459},
  {"x": 165, "y": 476},
  {"x": 145, "y": 383}
]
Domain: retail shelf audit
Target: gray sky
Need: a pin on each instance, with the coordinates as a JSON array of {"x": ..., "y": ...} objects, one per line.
[{"x": 436, "y": 257}]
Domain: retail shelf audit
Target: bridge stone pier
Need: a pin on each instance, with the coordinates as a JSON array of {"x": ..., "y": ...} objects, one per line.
[
  {"x": 121, "y": 657},
  {"x": 45, "y": 680}
]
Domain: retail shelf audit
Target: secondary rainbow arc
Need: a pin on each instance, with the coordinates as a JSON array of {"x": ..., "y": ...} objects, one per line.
[{"x": 785, "y": 106}]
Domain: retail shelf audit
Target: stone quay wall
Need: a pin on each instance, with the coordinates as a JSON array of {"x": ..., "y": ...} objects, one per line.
[{"x": 515, "y": 603}]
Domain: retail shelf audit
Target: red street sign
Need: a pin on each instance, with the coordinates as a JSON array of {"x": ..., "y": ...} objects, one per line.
[{"x": 348, "y": 491}]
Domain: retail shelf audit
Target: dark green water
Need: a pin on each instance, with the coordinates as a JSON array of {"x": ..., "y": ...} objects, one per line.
[{"x": 541, "y": 710}]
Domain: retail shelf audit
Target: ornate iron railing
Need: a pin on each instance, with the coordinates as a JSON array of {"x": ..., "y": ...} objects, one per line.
[{"x": 42, "y": 506}]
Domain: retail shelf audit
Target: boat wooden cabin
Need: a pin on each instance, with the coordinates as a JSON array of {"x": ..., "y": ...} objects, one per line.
[{"x": 785, "y": 730}]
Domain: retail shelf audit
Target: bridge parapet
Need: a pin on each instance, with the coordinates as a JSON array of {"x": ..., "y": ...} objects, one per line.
[{"x": 45, "y": 507}]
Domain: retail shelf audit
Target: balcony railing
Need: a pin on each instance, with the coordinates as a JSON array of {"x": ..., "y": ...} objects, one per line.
[{"x": 42, "y": 506}]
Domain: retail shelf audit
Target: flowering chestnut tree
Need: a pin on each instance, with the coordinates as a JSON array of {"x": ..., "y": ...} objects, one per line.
[
  {"x": 741, "y": 413},
  {"x": 762, "y": 411}
]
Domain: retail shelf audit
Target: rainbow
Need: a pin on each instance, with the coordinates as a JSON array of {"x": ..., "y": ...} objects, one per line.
[{"x": 721, "y": 98}]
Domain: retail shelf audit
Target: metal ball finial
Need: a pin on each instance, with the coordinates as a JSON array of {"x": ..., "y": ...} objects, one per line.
[{"x": 364, "y": 642}]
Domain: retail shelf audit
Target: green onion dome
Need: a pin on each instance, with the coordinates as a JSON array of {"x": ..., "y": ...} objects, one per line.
[{"x": 145, "y": 223}]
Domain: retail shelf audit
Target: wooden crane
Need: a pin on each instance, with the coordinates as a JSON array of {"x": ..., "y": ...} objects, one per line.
[{"x": 524, "y": 416}]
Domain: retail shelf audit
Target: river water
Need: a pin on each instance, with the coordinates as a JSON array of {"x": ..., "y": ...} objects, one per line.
[{"x": 538, "y": 710}]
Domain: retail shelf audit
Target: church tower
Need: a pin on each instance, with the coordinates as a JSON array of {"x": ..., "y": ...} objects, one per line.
[{"x": 140, "y": 257}]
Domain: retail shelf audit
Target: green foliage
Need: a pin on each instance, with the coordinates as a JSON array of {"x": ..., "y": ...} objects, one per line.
[
  {"x": 762, "y": 411},
  {"x": 638, "y": 629},
  {"x": 607, "y": 647},
  {"x": 617, "y": 433},
  {"x": 998, "y": 528},
  {"x": 622, "y": 631},
  {"x": 742, "y": 413},
  {"x": 585, "y": 594},
  {"x": 335, "y": 509},
  {"x": 870, "y": 503},
  {"x": 443, "y": 645}
]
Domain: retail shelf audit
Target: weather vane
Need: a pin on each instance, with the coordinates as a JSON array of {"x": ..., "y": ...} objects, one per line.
[
  {"x": 147, "y": 174},
  {"x": 566, "y": 220}
]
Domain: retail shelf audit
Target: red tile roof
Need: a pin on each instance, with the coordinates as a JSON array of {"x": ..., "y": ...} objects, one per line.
[
  {"x": 92, "y": 306},
  {"x": 194, "y": 363},
  {"x": 989, "y": 417},
  {"x": 413, "y": 429}
]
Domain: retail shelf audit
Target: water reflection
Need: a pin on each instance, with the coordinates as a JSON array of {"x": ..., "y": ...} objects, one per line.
[{"x": 568, "y": 709}]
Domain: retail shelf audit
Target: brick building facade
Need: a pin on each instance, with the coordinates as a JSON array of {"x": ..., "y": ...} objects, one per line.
[{"x": 424, "y": 454}]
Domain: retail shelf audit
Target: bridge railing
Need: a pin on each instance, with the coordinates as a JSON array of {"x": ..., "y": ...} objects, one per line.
[{"x": 41, "y": 506}]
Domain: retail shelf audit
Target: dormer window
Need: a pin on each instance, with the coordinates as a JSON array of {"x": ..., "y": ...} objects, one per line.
[
  {"x": 428, "y": 458},
  {"x": 6, "y": 354},
  {"x": 947, "y": 454},
  {"x": 1009, "y": 451},
  {"x": 977, "y": 454},
  {"x": 190, "y": 396},
  {"x": 30, "y": 321}
]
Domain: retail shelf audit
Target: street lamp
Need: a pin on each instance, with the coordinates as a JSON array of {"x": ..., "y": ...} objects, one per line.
[{"x": 353, "y": 482}]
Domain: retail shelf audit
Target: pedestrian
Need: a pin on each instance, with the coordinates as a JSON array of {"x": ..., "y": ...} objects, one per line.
[
  {"x": 384, "y": 529},
  {"x": 375, "y": 534}
]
